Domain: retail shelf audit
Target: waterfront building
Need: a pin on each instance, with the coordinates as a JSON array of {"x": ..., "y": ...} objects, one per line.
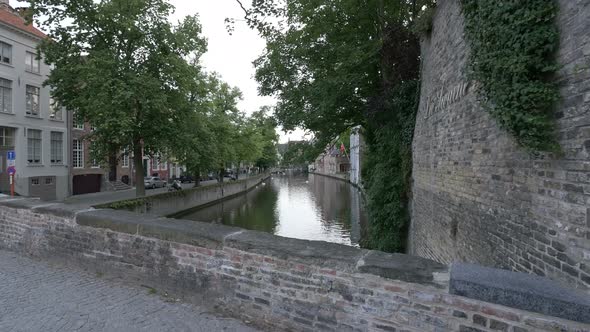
[{"x": 31, "y": 124}]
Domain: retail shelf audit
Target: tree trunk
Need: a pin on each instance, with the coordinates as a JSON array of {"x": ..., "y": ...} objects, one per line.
[
  {"x": 221, "y": 175},
  {"x": 197, "y": 177},
  {"x": 139, "y": 171},
  {"x": 113, "y": 166}
]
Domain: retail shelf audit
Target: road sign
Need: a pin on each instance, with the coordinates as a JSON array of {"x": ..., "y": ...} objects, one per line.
[
  {"x": 11, "y": 170},
  {"x": 11, "y": 155},
  {"x": 11, "y": 163}
]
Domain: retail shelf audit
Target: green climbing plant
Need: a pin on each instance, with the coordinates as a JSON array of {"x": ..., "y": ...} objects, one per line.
[{"x": 513, "y": 45}]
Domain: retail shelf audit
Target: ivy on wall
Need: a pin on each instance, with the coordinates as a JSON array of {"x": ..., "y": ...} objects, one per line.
[
  {"x": 387, "y": 170},
  {"x": 513, "y": 45}
]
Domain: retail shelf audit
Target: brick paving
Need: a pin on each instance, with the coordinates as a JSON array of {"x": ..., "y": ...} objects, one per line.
[{"x": 36, "y": 296}]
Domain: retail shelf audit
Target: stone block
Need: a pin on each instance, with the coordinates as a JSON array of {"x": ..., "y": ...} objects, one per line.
[
  {"x": 318, "y": 253},
  {"x": 402, "y": 267},
  {"x": 519, "y": 290},
  {"x": 202, "y": 234}
]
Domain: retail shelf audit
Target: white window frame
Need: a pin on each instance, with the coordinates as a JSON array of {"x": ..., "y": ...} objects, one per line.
[
  {"x": 33, "y": 107},
  {"x": 93, "y": 162},
  {"x": 77, "y": 154},
  {"x": 5, "y": 134},
  {"x": 125, "y": 158},
  {"x": 55, "y": 111},
  {"x": 32, "y": 63},
  {"x": 5, "y": 96},
  {"x": 5, "y": 53},
  {"x": 57, "y": 148},
  {"x": 34, "y": 147}
]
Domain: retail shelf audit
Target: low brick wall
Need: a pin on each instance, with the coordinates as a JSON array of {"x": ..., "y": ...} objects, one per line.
[
  {"x": 170, "y": 203},
  {"x": 276, "y": 282}
]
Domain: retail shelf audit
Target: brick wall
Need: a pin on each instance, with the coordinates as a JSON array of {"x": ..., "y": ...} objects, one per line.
[
  {"x": 477, "y": 196},
  {"x": 175, "y": 202},
  {"x": 275, "y": 282}
]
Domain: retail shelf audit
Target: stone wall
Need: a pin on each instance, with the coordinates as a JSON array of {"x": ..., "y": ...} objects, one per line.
[
  {"x": 277, "y": 282},
  {"x": 477, "y": 196},
  {"x": 171, "y": 203}
]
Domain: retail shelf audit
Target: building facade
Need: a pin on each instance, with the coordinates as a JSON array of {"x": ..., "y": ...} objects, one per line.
[
  {"x": 30, "y": 124},
  {"x": 356, "y": 157},
  {"x": 86, "y": 175}
]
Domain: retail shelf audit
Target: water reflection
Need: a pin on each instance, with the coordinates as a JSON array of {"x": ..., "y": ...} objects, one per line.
[{"x": 308, "y": 207}]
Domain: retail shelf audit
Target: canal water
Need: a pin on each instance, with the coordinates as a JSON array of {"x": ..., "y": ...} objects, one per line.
[{"x": 310, "y": 207}]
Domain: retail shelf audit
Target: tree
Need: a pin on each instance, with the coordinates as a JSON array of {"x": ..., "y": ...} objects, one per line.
[
  {"x": 334, "y": 64},
  {"x": 267, "y": 128},
  {"x": 121, "y": 65}
]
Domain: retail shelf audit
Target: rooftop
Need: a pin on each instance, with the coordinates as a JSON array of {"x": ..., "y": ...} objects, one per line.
[{"x": 10, "y": 17}]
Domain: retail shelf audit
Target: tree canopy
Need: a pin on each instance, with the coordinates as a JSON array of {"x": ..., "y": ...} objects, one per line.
[{"x": 121, "y": 65}]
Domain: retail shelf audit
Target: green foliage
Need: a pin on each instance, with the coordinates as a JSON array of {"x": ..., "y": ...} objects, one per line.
[
  {"x": 325, "y": 60},
  {"x": 122, "y": 66},
  {"x": 388, "y": 168},
  {"x": 513, "y": 45},
  {"x": 334, "y": 64},
  {"x": 423, "y": 24}
]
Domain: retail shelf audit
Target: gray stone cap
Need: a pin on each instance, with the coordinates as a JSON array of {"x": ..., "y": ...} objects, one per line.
[{"x": 519, "y": 290}]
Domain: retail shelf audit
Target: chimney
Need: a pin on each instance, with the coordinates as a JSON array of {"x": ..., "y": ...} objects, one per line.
[
  {"x": 5, "y": 5},
  {"x": 24, "y": 12}
]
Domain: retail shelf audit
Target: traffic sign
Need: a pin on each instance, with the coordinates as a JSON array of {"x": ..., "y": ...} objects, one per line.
[
  {"x": 11, "y": 155},
  {"x": 11, "y": 170},
  {"x": 11, "y": 163}
]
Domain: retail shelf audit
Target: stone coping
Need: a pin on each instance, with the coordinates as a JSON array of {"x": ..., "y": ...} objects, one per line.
[
  {"x": 512, "y": 289},
  {"x": 519, "y": 290}
]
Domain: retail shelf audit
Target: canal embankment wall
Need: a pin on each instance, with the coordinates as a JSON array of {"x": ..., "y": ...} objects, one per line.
[
  {"x": 289, "y": 284},
  {"x": 479, "y": 197},
  {"x": 174, "y": 202}
]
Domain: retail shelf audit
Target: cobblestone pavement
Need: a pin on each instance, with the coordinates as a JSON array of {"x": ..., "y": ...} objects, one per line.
[{"x": 36, "y": 296}]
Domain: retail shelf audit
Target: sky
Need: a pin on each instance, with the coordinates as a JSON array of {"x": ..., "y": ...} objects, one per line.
[{"x": 229, "y": 55}]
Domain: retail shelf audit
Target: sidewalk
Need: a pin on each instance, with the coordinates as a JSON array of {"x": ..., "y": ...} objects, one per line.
[{"x": 37, "y": 296}]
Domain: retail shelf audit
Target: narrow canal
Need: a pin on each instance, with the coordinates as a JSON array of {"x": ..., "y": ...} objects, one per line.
[{"x": 310, "y": 207}]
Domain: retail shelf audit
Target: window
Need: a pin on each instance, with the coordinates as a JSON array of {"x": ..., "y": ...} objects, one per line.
[
  {"x": 125, "y": 158},
  {"x": 32, "y": 63},
  {"x": 33, "y": 100},
  {"x": 57, "y": 150},
  {"x": 5, "y": 52},
  {"x": 34, "y": 146},
  {"x": 35, "y": 181},
  {"x": 5, "y": 96},
  {"x": 93, "y": 162},
  {"x": 164, "y": 166},
  {"x": 78, "y": 123},
  {"x": 78, "y": 154},
  {"x": 48, "y": 181},
  {"x": 6, "y": 137},
  {"x": 55, "y": 111},
  {"x": 155, "y": 164}
]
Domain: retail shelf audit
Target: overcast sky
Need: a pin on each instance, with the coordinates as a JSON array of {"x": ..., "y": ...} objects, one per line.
[{"x": 229, "y": 55}]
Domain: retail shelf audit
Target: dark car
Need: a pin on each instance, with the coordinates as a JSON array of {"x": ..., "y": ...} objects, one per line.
[{"x": 186, "y": 179}]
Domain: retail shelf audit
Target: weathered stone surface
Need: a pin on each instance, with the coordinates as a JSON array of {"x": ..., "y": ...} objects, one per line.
[
  {"x": 22, "y": 203},
  {"x": 181, "y": 231},
  {"x": 519, "y": 290},
  {"x": 319, "y": 253},
  {"x": 479, "y": 197},
  {"x": 282, "y": 283},
  {"x": 401, "y": 267},
  {"x": 60, "y": 210}
]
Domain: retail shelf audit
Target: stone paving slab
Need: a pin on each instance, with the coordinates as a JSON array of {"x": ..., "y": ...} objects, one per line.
[{"x": 36, "y": 296}]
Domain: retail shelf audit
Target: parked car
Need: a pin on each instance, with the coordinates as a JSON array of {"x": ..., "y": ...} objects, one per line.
[
  {"x": 186, "y": 179},
  {"x": 154, "y": 182}
]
